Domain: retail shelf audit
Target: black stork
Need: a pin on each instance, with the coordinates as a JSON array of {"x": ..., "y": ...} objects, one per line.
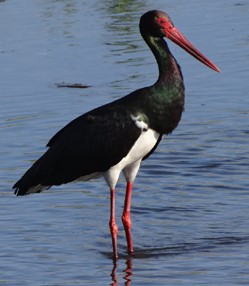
[{"x": 116, "y": 137}]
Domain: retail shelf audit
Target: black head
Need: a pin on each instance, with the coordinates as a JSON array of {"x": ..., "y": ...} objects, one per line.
[
  {"x": 157, "y": 24},
  {"x": 154, "y": 22}
]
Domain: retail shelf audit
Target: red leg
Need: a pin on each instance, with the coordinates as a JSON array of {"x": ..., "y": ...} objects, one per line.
[
  {"x": 113, "y": 225},
  {"x": 126, "y": 217}
]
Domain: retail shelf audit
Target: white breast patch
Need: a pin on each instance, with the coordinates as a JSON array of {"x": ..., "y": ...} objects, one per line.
[{"x": 139, "y": 123}]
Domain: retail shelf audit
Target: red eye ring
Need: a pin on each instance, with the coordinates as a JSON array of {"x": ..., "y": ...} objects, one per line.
[{"x": 165, "y": 23}]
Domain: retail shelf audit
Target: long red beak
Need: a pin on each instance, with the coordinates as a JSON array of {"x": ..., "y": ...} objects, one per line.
[{"x": 177, "y": 37}]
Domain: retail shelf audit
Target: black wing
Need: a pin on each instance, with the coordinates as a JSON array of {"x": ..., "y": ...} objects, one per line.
[{"x": 91, "y": 143}]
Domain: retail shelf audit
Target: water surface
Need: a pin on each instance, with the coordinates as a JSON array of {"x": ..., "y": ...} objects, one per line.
[{"x": 190, "y": 204}]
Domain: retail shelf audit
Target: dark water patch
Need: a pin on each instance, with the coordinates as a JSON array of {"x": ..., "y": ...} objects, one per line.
[
  {"x": 72, "y": 85},
  {"x": 203, "y": 245},
  {"x": 227, "y": 240},
  {"x": 158, "y": 209}
]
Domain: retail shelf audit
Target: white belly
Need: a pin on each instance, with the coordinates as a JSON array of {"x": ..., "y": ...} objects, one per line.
[{"x": 130, "y": 164}]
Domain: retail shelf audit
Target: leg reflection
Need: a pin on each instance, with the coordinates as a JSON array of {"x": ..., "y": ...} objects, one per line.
[
  {"x": 128, "y": 272},
  {"x": 114, "y": 273}
]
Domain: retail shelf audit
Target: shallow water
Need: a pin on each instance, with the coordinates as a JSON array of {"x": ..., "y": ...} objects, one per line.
[{"x": 191, "y": 198}]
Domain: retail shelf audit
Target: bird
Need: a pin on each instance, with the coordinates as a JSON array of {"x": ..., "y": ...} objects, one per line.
[{"x": 116, "y": 137}]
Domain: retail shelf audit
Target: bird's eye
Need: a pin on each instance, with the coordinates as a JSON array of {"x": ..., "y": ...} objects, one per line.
[
  {"x": 165, "y": 23},
  {"x": 161, "y": 21}
]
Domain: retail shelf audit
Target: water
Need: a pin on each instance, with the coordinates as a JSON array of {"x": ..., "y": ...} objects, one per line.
[{"x": 190, "y": 204}]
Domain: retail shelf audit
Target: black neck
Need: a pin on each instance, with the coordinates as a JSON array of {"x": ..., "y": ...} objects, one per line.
[{"x": 168, "y": 68}]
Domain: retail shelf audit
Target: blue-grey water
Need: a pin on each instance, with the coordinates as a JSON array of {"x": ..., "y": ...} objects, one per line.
[{"x": 190, "y": 206}]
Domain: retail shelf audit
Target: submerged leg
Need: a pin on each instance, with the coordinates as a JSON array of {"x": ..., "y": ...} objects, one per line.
[
  {"x": 126, "y": 217},
  {"x": 113, "y": 225}
]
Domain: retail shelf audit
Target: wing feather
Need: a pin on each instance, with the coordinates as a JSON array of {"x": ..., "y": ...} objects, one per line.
[{"x": 90, "y": 143}]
